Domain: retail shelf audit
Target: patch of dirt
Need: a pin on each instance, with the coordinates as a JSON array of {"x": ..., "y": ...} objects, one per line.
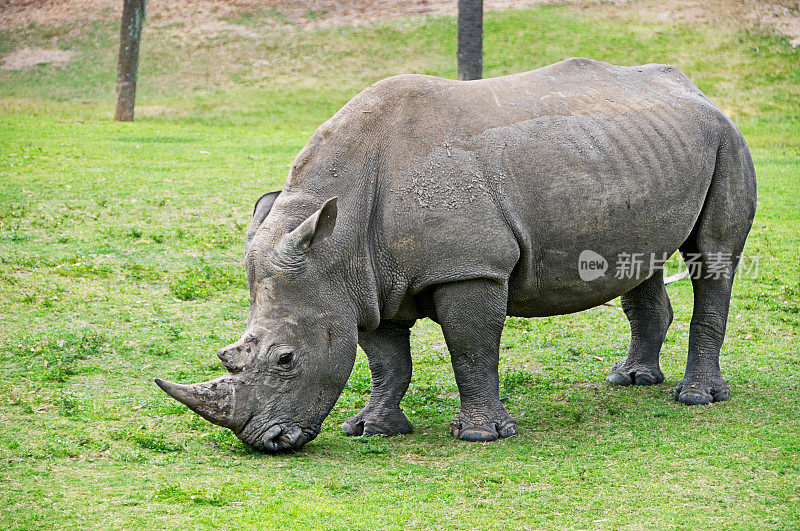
[
  {"x": 303, "y": 13},
  {"x": 27, "y": 58},
  {"x": 219, "y": 26},
  {"x": 216, "y": 16},
  {"x": 317, "y": 13},
  {"x": 772, "y": 16},
  {"x": 784, "y": 19}
]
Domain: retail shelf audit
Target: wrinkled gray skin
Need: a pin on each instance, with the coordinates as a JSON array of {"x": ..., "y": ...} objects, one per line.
[{"x": 466, "y": 202}]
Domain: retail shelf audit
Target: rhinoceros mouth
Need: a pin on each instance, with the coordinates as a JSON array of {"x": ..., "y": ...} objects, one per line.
[{"x": 278, "y": 437}]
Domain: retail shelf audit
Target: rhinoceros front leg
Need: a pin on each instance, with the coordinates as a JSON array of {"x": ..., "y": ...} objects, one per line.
[
  {"x": 648, "y": 309},
  {"x": 389, "y": 356},
  {"x": 472, "y": 315}
]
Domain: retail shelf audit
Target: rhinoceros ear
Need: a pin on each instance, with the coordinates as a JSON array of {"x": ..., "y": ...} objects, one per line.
[
  {"x": 260, "y": 212},
  {"x": 314, "y": 229}
]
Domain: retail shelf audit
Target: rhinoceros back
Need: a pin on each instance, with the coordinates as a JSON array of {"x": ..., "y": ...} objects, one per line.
[{"x": 514, "y": 177}]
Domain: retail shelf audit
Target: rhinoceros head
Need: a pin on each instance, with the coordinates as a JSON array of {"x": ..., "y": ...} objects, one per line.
[{"x": 291, "y": 364}]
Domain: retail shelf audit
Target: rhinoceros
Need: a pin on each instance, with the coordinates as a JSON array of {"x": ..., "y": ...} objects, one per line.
[{"x": 469, "y": 201}]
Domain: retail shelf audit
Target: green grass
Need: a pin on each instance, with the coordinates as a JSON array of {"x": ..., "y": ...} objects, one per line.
[{"x": 120, "y": 251}]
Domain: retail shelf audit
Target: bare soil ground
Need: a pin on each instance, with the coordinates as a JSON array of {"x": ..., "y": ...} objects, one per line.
[
  {"x": 27, "y": 58},
  {"x": 782, "y": 16},
  {"x": 211, "y": 17}
]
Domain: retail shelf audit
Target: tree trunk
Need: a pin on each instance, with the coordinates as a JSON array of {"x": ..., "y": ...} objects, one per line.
[
  {"x": 470, "y": 39},
  {"x": 130, "y": 34}
]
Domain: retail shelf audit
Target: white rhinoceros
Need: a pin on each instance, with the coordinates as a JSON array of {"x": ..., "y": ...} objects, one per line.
[{"x": 465, "y": 202}]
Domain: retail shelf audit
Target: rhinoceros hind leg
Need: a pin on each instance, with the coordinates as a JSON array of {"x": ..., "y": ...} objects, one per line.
[
  {"x": 649, "y": 311},
  {"x": 389, "y": 355},
  {"x": 714, "y": 249},
  {"x": 702, "y": 382},
  {"x": 472, "y": 314}
]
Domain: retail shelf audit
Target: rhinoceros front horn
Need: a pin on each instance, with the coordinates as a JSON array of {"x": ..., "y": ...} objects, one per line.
[{"x": 214, "y": 400}]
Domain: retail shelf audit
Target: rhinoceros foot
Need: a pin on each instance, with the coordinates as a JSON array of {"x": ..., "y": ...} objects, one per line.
[
  {"x": 700, "y": 392},
  {"x": 623, "y": 374},
  {"x": 480, "y": 430},
  {"x": 377, "y": 421}
]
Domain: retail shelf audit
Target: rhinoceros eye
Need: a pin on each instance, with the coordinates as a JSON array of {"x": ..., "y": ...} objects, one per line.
[{"x": 286, "y": 358}]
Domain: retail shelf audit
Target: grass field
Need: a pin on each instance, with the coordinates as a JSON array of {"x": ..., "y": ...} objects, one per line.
[{"x": 120, "y": 252}]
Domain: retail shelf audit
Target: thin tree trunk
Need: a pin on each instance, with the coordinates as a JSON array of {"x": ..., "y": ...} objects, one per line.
[
  {"x": 130, "y": 34},
  {"x": 470, "y": 39}
]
